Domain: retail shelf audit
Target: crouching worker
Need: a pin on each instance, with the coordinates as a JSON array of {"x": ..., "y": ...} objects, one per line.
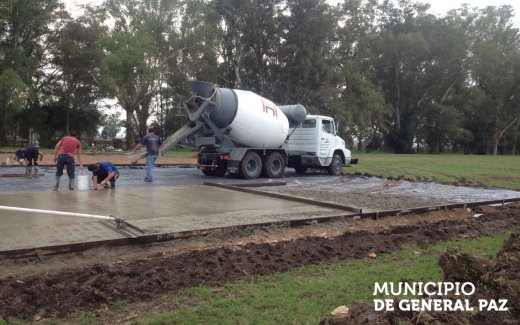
[
  {"x": 102, "y": 173},
  {"x": 19, "y": 155},
  {"x": 32, "y": 154}
]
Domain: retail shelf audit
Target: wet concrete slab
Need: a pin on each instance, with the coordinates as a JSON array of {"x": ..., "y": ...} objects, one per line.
[
  {"x": 177, "y": 201},
  {"x": 155, "y": 209}
]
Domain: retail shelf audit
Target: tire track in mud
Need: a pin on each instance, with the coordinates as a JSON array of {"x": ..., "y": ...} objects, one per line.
[{"x": 57, "y": 294}]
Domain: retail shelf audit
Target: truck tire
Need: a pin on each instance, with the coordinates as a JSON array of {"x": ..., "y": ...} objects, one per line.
[
  {"x": 274, "y": 165},
  {"x": 335, "y": 165},
  {"x": 250, "y": 166}
]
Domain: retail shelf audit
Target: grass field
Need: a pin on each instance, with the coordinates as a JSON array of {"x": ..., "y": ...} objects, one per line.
[
  {"x": 180, "y": 152},
  {"x": 476, "y": 170},
  {"x": 306, "y": 295}
]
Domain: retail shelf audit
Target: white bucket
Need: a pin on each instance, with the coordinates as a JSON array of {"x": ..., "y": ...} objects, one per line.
[{"x": 83, "y": 182}]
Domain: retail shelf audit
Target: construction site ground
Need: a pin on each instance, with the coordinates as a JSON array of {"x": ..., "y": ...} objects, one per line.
[{"x": 56, "y": 285}]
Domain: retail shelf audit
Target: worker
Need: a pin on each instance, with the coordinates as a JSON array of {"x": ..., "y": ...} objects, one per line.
[
  {"x": 32, "y": 154},
  {"x": 103, "y": 172},
  {"x": 64, "y": 157},
  {"x": 152, "y": 143},
  {"x": 19, "y": 155}
]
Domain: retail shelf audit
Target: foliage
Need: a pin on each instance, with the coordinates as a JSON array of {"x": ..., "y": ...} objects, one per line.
[
  {"x": 76, "y": 57},
  {"x": 24, "y": 26},
  {"x": 139, "y": 46},
  {"x": 394, "y": 75},
  {"x": 112, "y": 124},
  {"x": 496, "y": 69},
  {"x": 13, "y": 98}
]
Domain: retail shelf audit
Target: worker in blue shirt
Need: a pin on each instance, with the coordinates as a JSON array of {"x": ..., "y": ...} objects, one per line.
[
  {"x": 19, "y": 155},
  {"x": 102, "y": 173}
]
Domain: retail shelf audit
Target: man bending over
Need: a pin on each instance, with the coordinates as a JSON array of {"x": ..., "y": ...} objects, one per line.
[{"x": 102, "y": 173}]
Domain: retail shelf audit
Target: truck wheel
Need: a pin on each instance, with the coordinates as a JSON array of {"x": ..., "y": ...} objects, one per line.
[
  {"x": 207, "y": 172},
  {"x": 335, "y": 165},
  {"x": 218, "y": 172},
  {"x": 274, "y": 165},
  {"x": 300, "y": 169},
  {"x": 250, "y": 166}
]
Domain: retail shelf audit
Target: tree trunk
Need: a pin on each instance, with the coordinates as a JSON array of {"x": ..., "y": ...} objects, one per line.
[
  {"x": 130, "y": 137},
  {"x": 15, "y": 131},
  {"x": 398, "y": 100},
  {"x": 67, "y": 121},
  {"x": 498, "y": 135},
  {"x": 436, "y": 141},
  {"x": 515, "y": 138},
  {"x": 3, "y": 136},
  {"x": 495, "y": 142},
  {"x": 3, "y": 122}
]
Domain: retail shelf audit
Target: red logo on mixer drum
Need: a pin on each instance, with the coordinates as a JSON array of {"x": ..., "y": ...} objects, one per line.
[{"x": 267, "y": 108}]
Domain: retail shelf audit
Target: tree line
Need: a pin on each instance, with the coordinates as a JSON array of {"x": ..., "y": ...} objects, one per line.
[{"x": 394, "y": 75}]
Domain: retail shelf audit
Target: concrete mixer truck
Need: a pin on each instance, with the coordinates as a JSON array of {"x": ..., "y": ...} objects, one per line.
[{"x": 240, "y": 132}]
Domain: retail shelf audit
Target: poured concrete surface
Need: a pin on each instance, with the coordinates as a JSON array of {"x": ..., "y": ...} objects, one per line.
[
  {"x": 153, "y": 209},
  {"x": 176, "y": 201}
]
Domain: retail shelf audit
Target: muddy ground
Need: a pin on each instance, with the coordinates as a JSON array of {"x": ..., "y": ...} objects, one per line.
[{"x": 55, "y": 286}]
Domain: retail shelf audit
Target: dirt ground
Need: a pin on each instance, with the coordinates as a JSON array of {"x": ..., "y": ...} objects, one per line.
[
  {"x": 116, "y": 158},
  {"x": 55, "y": 286},
  {"x": 494, "y": 282}
]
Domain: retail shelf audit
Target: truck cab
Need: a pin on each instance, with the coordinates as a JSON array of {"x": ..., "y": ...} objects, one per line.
[{"x": 315, "y": 144}]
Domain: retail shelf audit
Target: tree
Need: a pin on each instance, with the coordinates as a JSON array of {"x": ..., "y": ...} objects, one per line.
[
  {"x": 496, "y": 69},
  {"x": 198, "y": 38},
  {"x": 401, "y": 76},
  {"x": 24, "y": 28},
  {"x": 140, "y": 45},
  {"x": 303, "y": 72},
  {"x": 13, "y": 98},
  {"x": 112, "y": 124},
  {"x": 361, "y": 106},
  {"x": 77, "y": 54},
  {"x": 446, "y": 71},
  {"x": 247, "y": 32}
]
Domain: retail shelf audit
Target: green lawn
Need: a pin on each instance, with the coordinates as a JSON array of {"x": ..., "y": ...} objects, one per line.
[
  {"x": 476, "y": 170},
  {"x": 479, "y": 170},
  {"x": 307, "y": 294},
  {"x": 181, "y": 153}
]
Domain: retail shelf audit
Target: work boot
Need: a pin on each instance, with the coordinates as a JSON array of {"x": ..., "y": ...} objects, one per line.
[
  {"x": 35, "y": 172},
  {"x": 71, "y": 184},
  {"x": 55, "y": 188}
]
